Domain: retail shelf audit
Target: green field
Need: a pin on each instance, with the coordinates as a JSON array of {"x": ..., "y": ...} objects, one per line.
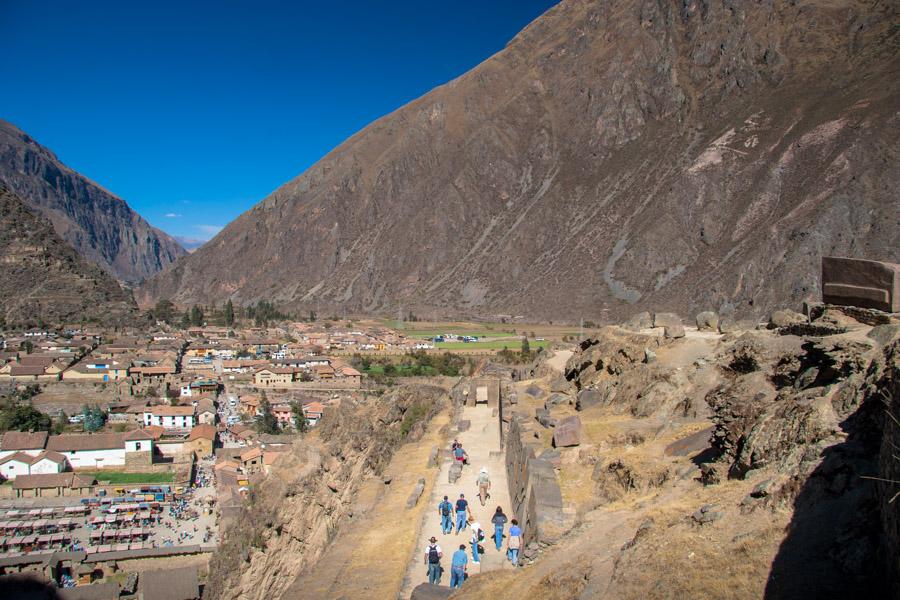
[
  {"x": 490, "y": 345},
  {"x": 401, "y": 370},
  {"x": 128, "y": 478}
]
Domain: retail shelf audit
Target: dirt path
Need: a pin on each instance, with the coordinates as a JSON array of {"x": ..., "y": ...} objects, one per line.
[
  {"x": 482, "y": 442},
  {"x": 558, "y": 361}
]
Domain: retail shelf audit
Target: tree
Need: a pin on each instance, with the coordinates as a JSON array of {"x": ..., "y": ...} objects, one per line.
[
  {"x": 163, "y": 311},
  {"x": 20, "y": 415},
  {"x": 185, "y": 320},
  {"x": 266, "y": 421},
  {"x": 94, "y": 417},
  {"x": 301, "y": 423},
  {"x": 526, "y": 347},
  {"x": 196, "y": 316},
  {"x": 312, "y": 316},
  {"x": 229, "y": 313},
  {"x": 26, "y": 346}
]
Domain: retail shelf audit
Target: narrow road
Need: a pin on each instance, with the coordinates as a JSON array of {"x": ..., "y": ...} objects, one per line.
[{"x": 480, "y": 441}]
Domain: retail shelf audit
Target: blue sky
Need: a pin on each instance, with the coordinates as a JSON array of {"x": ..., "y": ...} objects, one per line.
[{"x": 194, "y": 111}]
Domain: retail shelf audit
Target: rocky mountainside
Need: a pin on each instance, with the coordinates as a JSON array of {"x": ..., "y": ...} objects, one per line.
[
  {"x": 615, "y": 156},
  {"x": 42, "y": 279},
  {"x": 99, "y": 225}
]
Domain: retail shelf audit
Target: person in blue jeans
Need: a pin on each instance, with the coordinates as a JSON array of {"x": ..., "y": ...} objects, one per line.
[
  {"x": 514, "y": 543},
  {"x": 462, "y": 510},
  {"x": 499, "y": 520},
  {"x": 433, "y": 556},
  {"x": 458, "y": 567},
  {"x": 476, "y": 537},
  {"x": 445, "y": 509}
]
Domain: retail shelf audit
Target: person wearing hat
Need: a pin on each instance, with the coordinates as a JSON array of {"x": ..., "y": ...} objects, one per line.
[
  {"x": 484, "y": 485},
  {"x": 477, "y": 536},
  {"x": 433, "y": 556}
]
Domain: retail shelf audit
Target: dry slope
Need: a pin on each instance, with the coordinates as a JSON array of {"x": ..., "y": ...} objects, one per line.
[
  {"x": 100, "y": 226},
  {"x": 42, "y": 279},
  {"x": 615, "y": 155}
]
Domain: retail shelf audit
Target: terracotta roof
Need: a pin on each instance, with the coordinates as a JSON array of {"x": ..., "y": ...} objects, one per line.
[
  {"x": 171, "y": 411},
  {"x": 51, "y": 480},
  {"x": 137, "y": 435},
  {"x": 18, "y": 457},
  {"x": 23, "y": 440},
  {"x": 254, "y": 452},
  {"x": 50, "y": 455},
  {"x": 36, "y": 360},
  {"x": 206, "y": 432},
  {"x": 155, "y": 430},
  {"x": 87, "y": 441},
  {"x": 25, "y": 370}
]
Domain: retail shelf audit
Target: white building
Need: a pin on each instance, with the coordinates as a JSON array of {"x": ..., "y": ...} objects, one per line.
[
  {"x": 20, "y": 463},
  {"x": 90, "y": 450},
  {"x": 170, "y": 417}
]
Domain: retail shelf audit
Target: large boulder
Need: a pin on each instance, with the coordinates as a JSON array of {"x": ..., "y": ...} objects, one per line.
[
  {"x": 592, "y": 396},
  {"x": 785, "y": 318},
  {"x": 666, "y": 319},
  {"x": 708, "y": 321},
  {"x": 542, "y": 415},
  {"x": 639, "y": 321},
  {"x": 674, "y": 331},
  {"x": 567, "y": 433}
]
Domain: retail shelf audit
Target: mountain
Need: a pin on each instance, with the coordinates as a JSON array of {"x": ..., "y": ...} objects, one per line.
[
  {"x": 99, "y": 225},
  {"x": 616, "y": 156},
  {"x": 42, "y": 279}
]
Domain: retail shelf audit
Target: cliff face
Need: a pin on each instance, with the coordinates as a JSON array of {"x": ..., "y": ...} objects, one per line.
[
  {"x": 100, "y": 226},
  {"x": 616, "y": 156},
  {"x": 42, "y": 279},
  {"x": 295, "y": 514}
]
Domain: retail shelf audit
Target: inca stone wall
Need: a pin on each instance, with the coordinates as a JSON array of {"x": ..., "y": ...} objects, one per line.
[{"x": 533, "y": 489}]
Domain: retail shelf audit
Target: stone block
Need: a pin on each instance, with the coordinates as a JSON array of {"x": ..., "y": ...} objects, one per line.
[
  {"x": 455, "y": 472},
  {"x": 786, "y": 318},
  {"x": 666, "y": 319},
  {"x": 556, "y": 399},
  {"x": 426, "y": 591},
  {"x": 434, "y": 457},
  {"x": 862, "y": 283},
  {"x": 690, "y": 444},
  {"x": 463, "y": 425},
  {"x": 567, "y": 432},
  {"x": 590, "y": 397},
  {"x": 542, "y": 416},
  {"x": 639, "y": 321},
  {"x": 552, "y": 456},
  {"x": 674, "y": 331},
  {"x": 708, "y": 321}
]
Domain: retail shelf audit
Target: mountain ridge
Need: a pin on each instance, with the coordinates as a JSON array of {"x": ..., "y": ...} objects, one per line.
[
  {"x": 97, "y": 223},
  {"x": 614, "y": 157}
]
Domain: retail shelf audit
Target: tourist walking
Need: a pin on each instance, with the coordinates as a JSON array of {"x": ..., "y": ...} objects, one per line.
[
  {"x": 445, "y": 510},
  {"x": 499, "y": 520},
  {"x": 458, "y": 567},
  {"x": 514, "y": 543},
  {"x": 459, "y": 453},
  {"x": 433, "y": 556},
  {"x": 462, "y": 511},
  {"x": 484, "y": 485},
  {"x": 477, "y": 536}
]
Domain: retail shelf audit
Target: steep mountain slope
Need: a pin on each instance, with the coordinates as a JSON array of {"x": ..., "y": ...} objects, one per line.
[
  {"x": 100, "y": 226},
  {"x": 42, "y": 279},
  {"x": 616, "y": 156}
]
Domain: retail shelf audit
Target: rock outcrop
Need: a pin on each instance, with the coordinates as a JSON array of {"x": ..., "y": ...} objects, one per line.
[
  {"x": 616, "y": 156},
  {"x": 44, "y": 281},
  {"x": 98, "y": 225}
]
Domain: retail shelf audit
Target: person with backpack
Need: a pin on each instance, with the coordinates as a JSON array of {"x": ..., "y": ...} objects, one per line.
[
  {"x": 484, "y": 485},
  {"x": 433, "y": 556},
  {"x": 514, "y": 543},
  {"x": 477, "y": 537},
  {"x": 462, "y": 511},
  {"x": 458, "y": 567},
  {"x": 499, "y": 520},
  {"x": 445, "y": 509}
]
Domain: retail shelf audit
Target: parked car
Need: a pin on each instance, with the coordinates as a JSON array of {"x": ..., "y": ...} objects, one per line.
[{"x": 76, "y": 418}]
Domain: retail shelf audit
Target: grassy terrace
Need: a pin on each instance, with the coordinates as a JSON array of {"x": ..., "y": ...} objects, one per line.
[
  {"x": 512, "y": 344},
  {"x": 128, "y": 478}
]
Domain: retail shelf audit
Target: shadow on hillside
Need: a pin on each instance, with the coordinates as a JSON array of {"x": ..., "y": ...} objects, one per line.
[
  {"x": 26, "y": 587},
  {"x": 832, "y": 542}
]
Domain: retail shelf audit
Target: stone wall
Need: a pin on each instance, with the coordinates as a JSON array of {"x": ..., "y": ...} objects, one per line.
[
  {"x": 863, "y": 283},
  {"x": 533, "y": 489}
]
